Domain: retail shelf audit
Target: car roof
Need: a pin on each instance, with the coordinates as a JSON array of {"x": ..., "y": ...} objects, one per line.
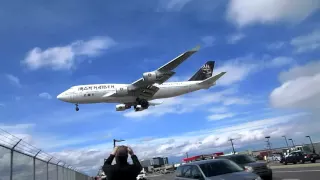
[
  {"x": 232, "y": 155},
  {"x": 203, "y": 162}
]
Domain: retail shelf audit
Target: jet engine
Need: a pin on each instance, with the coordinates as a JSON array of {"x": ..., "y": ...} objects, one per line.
[
  {"x": 122, "y": 107},
  {"x": 151, "y": 76},
  {"x": 122, "y": 91},
  {"x": 139, "y": 108}
]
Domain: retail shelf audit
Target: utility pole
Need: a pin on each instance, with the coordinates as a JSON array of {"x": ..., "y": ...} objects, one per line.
[
  {"x": 268, "y": 141},
  {"x": 314, "y": 151},
  {"x": 231, "y": 140},
  {"x": 292, "y": 142},
  {"x": 285, "y": 138}
]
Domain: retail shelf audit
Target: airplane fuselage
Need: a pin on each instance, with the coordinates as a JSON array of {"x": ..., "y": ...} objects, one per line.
[{"x": 96, "y": 93}]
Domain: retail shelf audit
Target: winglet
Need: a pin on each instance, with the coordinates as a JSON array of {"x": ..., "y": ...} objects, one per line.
[{"x": 195, "y": 49}]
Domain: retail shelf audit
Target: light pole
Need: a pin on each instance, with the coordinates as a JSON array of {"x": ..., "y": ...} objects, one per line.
[
  {"x": 285, "y": 138},
  {"x": 268, "y": 141},
  {"x": 314, "y": 151},
  {"x": 116, "y": 140},
  {"x": 292, "y": 142},
  {"x": 231, "y": 140}
]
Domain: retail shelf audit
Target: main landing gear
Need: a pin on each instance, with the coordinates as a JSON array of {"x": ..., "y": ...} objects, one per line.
[
  {"x": 144, "y": 104},
  {"x": 77, "y": 107}
]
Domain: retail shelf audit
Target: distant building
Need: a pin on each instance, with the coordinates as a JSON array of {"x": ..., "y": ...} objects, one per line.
[
  {"x": 154, "y": 162},
  {"x": 146, "y": 163},
  {"x": 158, "y": 161}
]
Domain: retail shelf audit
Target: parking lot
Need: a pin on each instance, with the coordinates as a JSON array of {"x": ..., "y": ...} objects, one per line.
[{"x": 306, "y": 171}]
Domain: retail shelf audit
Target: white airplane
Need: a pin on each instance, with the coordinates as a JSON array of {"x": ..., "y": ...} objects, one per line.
[{"x": 150, "y": 87}]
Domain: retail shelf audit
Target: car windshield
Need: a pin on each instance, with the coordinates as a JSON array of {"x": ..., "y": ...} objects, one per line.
[
  {"x": 217, "y": 168},
  {"x": 240, "y": 159}
]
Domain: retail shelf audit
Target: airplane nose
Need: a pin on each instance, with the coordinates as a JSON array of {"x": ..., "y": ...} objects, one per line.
[{"x": 61, "y": 97}]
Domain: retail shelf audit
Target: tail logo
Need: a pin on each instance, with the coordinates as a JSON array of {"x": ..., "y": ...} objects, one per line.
[{"x": 206, "y": 69}]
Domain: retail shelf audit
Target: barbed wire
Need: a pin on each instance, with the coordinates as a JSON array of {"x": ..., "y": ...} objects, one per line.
[{"x": 16, "y": 144}]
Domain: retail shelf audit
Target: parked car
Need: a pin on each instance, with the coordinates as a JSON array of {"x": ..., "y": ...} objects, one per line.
[
  {"x": 301, "y": 157},
  {"x": 274, "y": 157},
  {"x": 214, "y": 169},
  {"x": 250, "y": 164},
  {"x": 141, "y": 175}
]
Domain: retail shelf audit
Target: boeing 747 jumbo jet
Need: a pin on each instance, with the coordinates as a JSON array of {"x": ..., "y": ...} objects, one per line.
[{"x": 150, "y": 87}]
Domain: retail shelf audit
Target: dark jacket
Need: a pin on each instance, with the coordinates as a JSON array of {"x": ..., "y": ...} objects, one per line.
[{"x": 122, "y": 170}]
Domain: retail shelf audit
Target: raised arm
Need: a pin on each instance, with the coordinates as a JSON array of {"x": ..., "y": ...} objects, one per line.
[
  {"x": 136, "y": 163},
  {"x": 109, "y": 160}
]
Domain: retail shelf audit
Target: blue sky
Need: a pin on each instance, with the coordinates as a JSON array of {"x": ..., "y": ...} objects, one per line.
[{"x": 270, "y": 53}]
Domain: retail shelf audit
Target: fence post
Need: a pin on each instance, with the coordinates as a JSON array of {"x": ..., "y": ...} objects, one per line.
[
  {"x": 58, "y": 170},
  {"x": 11, "y": 163},
  {"x": 48, "y": 168},
  {"x": 34, "y": 165},
  {"x": 63, "y": 169}
]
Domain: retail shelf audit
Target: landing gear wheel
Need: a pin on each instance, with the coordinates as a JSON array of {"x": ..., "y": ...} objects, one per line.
[
  {"x": 77, "y": 108},
  {"x": 145, "y": 104}
]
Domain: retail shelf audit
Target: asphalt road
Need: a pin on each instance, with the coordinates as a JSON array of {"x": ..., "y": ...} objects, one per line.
[
  {"x": 305, "y": 173},
  {"x": 291, "y": 173}
]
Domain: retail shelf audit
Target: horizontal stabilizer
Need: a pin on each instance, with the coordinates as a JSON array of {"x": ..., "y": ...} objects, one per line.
[{"x": 213, "y": 79}]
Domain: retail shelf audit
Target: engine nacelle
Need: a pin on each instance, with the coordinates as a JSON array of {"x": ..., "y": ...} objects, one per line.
[
  {"x": 151, "y": 76},
  {"x": 139, "y": 108},
  {"x": 122, "y": 107},
  {"x": 122, "y": 91}
]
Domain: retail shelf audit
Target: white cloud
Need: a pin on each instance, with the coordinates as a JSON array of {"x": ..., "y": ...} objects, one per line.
[
  {"x": 65, "y": 57},
  {"x": 45, "y": 95},
  {"x": 299, "y": 88},
  {"x": 173, "y": 5},
  {"x": 280, "y": 61},
  {"x": 233, "y": 39},
  {"x": 307, "y": 43},
  {"x": 17, "y": 128},
  {"x": 236, "y": 71},
  {"x": 221, "y": 109},
  {"x": 310, "y": 69},
  {"x": 14, "y": 80},
  {"x": 215, "y": 117},
  {"x": 246, "y": 12},
  {"x": 276, "y": 45},
  {"x": 208, "y": 40}
]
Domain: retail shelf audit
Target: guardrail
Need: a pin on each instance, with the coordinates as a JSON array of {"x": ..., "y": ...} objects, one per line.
[{"x": 20, "y": 160}]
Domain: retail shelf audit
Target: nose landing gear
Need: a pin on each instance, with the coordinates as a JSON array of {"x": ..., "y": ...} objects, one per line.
[{"x": 77, "y": 107}]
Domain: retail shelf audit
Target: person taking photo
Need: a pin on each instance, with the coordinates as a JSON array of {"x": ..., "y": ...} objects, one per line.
[{"x": 122, "y": 170}]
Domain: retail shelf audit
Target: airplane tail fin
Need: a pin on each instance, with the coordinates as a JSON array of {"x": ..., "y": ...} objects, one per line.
[
  {"x": 212, "y": 80},
  {"x": 204, "y": 72}
]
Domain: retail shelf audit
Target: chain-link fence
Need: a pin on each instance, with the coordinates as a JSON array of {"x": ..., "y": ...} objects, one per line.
[{"x": 22, "y": 161}]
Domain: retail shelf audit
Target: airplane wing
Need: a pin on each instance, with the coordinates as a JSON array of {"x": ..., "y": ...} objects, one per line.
[{"x": 146, "y": 89}]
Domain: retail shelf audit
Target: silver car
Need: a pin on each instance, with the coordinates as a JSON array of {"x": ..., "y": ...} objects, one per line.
[{"x": 214, "y": 169}]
